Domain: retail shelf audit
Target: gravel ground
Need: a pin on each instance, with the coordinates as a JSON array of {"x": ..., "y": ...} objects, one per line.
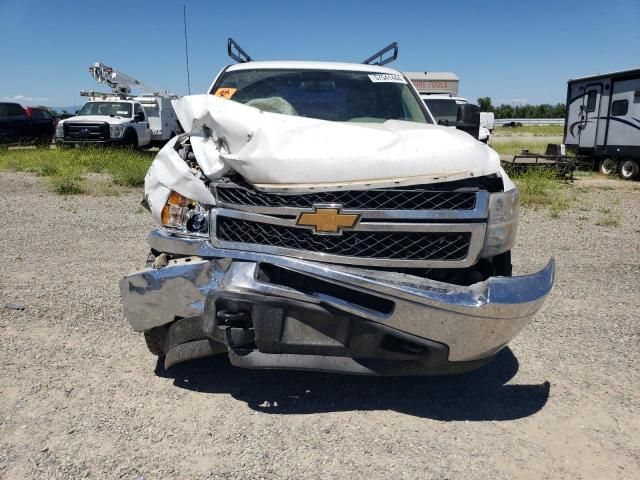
[{"x": 80, "y": 396}]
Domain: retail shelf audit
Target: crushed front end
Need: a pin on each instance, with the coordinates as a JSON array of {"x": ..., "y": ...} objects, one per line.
[
  {"x": 314, "y": 217},
  {"x": 388, "y": 281}
]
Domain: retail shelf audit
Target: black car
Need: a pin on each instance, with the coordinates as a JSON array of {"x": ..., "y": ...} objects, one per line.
[{"x": 20, "y": 125}]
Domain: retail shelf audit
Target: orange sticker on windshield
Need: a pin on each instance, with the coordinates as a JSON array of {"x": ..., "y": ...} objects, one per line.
[{"x": 225, "y": 92}]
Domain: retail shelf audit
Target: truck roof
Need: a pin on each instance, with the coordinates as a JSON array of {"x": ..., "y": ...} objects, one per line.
[
  {"x": 113, "y": 99},
  {"x": 307, "y": 65}
]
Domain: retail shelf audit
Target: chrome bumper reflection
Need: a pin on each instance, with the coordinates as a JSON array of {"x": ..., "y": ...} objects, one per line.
[{"x": 474, "y": 322}]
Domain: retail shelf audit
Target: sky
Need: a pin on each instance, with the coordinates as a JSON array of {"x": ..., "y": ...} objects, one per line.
[{"x": 512, "y": 51}]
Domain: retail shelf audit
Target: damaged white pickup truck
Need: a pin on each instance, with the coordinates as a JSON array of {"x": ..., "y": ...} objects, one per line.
[{"x": 313, "y": 217}]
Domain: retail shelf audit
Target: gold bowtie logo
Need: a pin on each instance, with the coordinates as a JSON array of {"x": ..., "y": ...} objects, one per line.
[{"x": 327, "y": 220}]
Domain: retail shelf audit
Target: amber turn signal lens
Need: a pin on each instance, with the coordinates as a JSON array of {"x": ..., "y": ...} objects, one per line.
[{"x": 174, "y": 213}]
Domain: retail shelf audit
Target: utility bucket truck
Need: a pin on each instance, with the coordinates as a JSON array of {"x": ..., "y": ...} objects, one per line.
[{"x": 119, "y": 117}]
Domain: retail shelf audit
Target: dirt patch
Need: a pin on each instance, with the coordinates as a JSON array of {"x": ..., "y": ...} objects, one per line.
[{"x": 81, "y": 396}]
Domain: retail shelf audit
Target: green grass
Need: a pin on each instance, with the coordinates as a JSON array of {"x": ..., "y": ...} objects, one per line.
[
  {"x": 66, "y": 169},
  {"x": 608, "y": 221},
  {"x": 535, "y": 130},
  {"x": 540, "y": 187},
  {"x": 537, "y": 186},
  {"x": 515, "y": 146}
]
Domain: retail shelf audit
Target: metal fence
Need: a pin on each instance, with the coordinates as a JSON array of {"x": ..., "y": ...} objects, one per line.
[{"x": 531, "y": 121}]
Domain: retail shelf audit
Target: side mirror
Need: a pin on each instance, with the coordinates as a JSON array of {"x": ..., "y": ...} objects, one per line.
[
  {"x": 468, "y": 119},
  {"x": 444, "y": 122},
  {"x": 139, "y": 117},
  {"x": 77, "y": 111}
]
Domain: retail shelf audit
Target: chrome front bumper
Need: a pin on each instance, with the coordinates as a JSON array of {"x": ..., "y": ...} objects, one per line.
[{"x": 474, "y": 322}]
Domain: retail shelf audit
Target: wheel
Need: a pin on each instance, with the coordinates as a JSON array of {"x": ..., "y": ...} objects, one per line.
[
  {"x": 629, "y": 170},
  {"x": 607, "y": 166},
  {"x": 155, "y": 339},
  {"x": 131, "y": 141}
]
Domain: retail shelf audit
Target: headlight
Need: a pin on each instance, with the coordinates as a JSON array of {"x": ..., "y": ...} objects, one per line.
[
  {"x": 59, "y": 130},
  {"x": 503, "y": 223},
  {"x": 185, "y": 215},
  {"x": 116, "y": 131}
]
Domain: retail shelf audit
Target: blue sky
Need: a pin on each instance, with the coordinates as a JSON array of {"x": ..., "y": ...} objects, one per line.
[{"x": 508, "y": 50}]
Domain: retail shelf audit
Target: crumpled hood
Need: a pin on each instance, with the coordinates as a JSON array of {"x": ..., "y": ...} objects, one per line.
[
  {"x": 290, "y": 153},
  {"x": 275, "y": 151}
]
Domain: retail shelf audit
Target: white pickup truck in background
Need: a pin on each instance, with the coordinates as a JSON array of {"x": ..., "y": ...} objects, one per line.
[
  {"x": 439, "y": 91},
  {"x": 444, "y": 109}
]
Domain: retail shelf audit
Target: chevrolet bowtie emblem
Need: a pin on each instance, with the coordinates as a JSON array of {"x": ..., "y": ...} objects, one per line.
[{"x": 327, "y": 220}]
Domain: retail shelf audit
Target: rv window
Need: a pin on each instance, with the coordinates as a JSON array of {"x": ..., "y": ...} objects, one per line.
[
  {"x": 591, "y": 100},
  {"x": 619, "y": 108}
]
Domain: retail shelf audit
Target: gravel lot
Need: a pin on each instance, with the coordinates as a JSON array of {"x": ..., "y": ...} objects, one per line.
[{"x": 80, "y": 396}]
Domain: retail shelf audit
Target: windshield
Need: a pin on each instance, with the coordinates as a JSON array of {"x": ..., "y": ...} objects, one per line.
[
  {"x": 443, "y": 109},
  {"x": 113, "y": 109},
  {"x": 324, "y": 94}
]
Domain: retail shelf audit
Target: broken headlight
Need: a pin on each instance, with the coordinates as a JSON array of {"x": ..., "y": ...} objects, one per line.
[
  {"x": 185, "y": 215},
  {"x": 502, "y": 224}
]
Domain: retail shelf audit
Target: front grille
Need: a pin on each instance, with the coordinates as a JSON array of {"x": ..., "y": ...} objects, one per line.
[
  {"x": 86, "y": 131},
  {"x": 360, "y": 244},
  {"x": 407, "y": 198}
]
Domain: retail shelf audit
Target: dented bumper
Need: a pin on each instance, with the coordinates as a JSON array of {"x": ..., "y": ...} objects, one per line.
[{"x": 472, "y": 323}]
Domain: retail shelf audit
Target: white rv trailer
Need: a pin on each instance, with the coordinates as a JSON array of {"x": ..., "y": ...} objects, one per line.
[{"x": 603, "y": 120}]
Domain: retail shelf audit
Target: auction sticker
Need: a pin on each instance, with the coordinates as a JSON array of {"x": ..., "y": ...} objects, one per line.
[
  {"x": 225, "y": 92},
  {"x": 386, "y": 78}
]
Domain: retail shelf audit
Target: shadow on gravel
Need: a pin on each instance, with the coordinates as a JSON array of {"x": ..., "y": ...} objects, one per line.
[{"x": 477, "y": 396}]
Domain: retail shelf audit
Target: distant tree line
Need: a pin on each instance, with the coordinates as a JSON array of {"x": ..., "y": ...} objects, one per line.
[{"x": 543, "y": 110}]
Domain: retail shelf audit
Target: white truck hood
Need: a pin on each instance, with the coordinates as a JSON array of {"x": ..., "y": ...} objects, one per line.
[
  {"x": 280, "y": 152},
  {"x": 97, "y": 118}
]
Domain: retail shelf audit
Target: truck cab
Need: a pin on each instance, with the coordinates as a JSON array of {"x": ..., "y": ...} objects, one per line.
[{"x": 106, "y": 121}]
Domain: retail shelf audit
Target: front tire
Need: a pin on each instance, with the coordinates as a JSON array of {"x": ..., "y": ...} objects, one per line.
[
  {"x": 629, "y": 170},
  {"x": 131, "y": 141}
]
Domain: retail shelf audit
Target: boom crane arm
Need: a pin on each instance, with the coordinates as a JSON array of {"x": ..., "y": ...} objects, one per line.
[{"x": 120, "y": 83}]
